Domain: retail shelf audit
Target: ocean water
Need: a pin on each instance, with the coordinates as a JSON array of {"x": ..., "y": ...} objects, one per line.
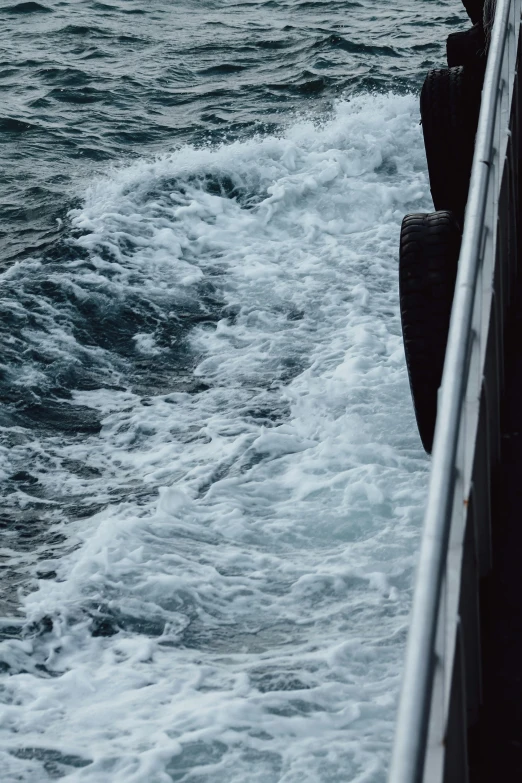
[{"x": 212, "y": 483}]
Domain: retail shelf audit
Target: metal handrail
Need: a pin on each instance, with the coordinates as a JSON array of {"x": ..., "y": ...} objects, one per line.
[{"x": 449, "y": 460}]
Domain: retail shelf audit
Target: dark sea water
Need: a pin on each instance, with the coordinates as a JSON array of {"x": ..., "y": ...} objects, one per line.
[
  {"x": 85, "y": 85},
  {"x": 212, "y": 484}
]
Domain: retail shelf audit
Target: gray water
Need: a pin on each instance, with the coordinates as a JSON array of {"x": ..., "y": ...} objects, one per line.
[
  {"x": 87, "y": 84},
  {"x": 212, "y": 481}
]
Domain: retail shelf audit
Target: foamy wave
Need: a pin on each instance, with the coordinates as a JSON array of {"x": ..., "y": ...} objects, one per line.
[{"x": 242, "y": 615}]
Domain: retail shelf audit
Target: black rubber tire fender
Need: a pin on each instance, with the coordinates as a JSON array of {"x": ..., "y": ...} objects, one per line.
[
  {"x": 466, "y": 47},
  {"x": 429, "y": 252},
  {"x": 488, "y": 17},
  {"x": 474, "y": 9},
  {"x": 450, "y": 106}
]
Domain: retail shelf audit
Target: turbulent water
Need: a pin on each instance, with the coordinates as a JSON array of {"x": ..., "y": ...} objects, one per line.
[{"x": 212, "y": 482}]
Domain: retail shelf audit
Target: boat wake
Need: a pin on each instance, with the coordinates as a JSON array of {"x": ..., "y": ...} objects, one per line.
[{"x": 211, "y": 465}]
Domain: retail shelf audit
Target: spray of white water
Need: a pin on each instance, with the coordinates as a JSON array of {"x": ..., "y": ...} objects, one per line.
[{"x": 255, "y": 580}]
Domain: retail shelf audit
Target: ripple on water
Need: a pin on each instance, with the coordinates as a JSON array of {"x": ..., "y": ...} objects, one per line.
[{"x": 212, "y": 482}]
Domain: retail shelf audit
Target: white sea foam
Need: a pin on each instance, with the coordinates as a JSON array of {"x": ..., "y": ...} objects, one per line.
[{"x": 260, "y": 578}]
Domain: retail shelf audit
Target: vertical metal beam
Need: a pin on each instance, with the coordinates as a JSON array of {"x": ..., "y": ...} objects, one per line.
[
  {"x": 456, "y": 756},
  {"x": 469, "y": 611}
]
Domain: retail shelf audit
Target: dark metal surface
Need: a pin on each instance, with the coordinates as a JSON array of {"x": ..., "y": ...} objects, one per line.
[{"x": 496, "y": 740}]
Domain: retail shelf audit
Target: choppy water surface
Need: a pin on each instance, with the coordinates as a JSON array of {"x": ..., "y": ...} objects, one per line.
[{"x": 212, "y": 483}]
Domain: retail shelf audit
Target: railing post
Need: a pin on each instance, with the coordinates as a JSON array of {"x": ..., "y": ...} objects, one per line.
[
  {"x": 456, "y": 755},
  {"x": 469, "y": 612}
]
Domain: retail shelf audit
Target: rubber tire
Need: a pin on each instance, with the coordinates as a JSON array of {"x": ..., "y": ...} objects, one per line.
[
  {"x": 488, "y": 17},
  {"x": 474, "y": 9},
  {"x": 466, "y": 47},
  {"x": 450, "y": 105},
  {"x": 429, "y": 252}
]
